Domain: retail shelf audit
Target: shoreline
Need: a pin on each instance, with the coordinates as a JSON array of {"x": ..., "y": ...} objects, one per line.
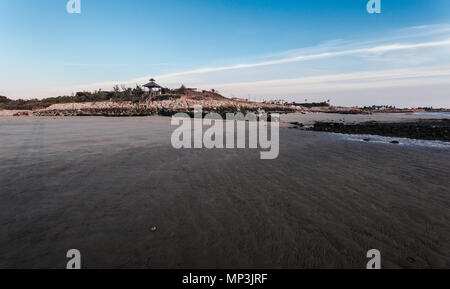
[
  {"x": 390, "y": 124},
  {"x": 402, "y": 125}
]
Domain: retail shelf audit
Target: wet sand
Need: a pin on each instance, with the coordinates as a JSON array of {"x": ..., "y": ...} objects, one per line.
[{"x": 100, "y": 184}]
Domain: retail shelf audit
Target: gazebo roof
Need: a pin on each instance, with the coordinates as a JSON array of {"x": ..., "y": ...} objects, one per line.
[{"x": 152, "y": 84}]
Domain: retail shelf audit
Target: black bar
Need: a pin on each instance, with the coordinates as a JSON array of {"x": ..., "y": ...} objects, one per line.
[{"x": 275, "y": 278}]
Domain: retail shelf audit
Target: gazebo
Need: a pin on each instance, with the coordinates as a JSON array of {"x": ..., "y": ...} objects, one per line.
[{"x": 154, "y": 88}]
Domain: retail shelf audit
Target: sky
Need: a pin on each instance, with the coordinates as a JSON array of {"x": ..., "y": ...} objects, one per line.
[{"x": 295, "y": 50}]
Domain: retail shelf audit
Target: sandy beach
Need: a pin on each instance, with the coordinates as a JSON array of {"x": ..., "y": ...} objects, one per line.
[{"x": 101, "y": 184}]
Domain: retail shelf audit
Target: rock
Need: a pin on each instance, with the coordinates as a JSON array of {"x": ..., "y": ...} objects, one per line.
[
  {"x": 420, "y": 129},
  {"x": 395, "y": 142},
  {"x": 298, "y": 124},
  {"x": 366, "y": 139}
]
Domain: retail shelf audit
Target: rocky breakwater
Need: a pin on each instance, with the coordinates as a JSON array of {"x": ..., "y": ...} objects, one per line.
[
  {"x": 106, "y": 108},
  {"x": 421, "y": 129},
  {"x": 163, "y": 107}
]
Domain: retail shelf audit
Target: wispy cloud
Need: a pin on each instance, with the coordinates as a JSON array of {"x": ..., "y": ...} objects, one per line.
[
  {"x": 397, "y": 74},
  {"x": 401, "y": 87},
  {"x": 344, "y": 81},
  {"x": 368, "y": 50},
  {"x": 376, "y": 49},
  {"x": 417, "y": 57}
]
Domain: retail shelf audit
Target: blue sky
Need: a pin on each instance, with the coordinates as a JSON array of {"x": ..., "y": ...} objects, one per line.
[{"x": 262, "y": 49}]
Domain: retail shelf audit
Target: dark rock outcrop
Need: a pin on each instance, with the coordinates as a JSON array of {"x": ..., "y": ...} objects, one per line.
[{"x": 422, "y": 129}]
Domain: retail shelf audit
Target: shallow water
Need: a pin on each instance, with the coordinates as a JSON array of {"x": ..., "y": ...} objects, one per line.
[
  {"x": 444, "y": 113},
  {"x": 401, "y": 141},
  {"x": 100, "y": 184}
]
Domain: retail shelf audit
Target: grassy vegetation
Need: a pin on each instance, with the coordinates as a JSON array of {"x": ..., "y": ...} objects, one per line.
[
  {"x": 314, "y": 104},
  {"x": 118, "y": 94}
]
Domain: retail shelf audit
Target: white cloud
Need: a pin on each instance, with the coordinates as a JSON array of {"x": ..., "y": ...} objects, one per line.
[
  {"x": 346, "y": 89},
  {"x": 376, "y": 49},
  {"x": 174, "y": 77},
  {"x": 418, "y": 57}
]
